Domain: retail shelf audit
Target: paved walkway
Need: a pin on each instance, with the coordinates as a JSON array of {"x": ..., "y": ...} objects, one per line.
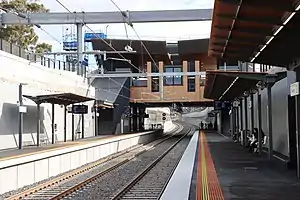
[{"x": 241, "y": 174}]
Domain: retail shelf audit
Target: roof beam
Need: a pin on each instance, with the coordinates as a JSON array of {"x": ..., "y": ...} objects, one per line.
[
  {"x": 235, "y": 44},
  {"x": 271, "y": 5},
  {"x": 240, "y": 39},
  {"x": 107, "y": 17},
  {"x": 259, "y": 20},
  {"x": 251, "y": 31}
]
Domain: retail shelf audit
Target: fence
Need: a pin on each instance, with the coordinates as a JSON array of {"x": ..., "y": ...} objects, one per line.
[{"x": 44, "y": 61}]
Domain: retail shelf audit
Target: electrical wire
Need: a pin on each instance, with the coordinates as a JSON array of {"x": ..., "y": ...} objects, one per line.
[
  {"x": 131, "y": 25},
  {"x": 58, "y": 1}
]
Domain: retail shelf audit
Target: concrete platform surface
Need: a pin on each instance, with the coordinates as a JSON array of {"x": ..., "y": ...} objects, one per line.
[
  {"x": 29, "y": 150},
  {"x": 243, "y": 175}
]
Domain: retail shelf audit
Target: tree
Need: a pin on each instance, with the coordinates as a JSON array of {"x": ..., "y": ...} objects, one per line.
[
  {"x": 43, "y": 47},
  {"x": 23, "y": 35}
]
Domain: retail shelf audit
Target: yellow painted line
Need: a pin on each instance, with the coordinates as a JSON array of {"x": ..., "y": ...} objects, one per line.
[{"x": 205, "y": 189}]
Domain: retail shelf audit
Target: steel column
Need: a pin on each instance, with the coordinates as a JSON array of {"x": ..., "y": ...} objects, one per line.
[
  {"x": 52, "y": 124},
  {"x": 252, "y": 112},
  {"x": 21, "y": 117},
  {"x": 297, "y": 110},
  {"x": 82, "y": 126},
  {"x": 270, "y": 125},
  {"x": 96, "y": 120},
  {"x": 65, "y": 123},
  {"x": 241, "y": 117},
  {"x": 259, "y": 123},
  {"x": 38, "y": 125},
  {"x": 246, "y": 121},
  {"x": 79, "y": 49},
  {"x": 73, "y": 128},
  {"x": 134, "y": 115}
]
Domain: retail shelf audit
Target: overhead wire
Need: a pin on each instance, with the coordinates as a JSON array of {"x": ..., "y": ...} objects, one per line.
[
  {"x": 58, "y": 1},
  {"x": 108, "y": 44},
  {"x": 96, "y": 37}
]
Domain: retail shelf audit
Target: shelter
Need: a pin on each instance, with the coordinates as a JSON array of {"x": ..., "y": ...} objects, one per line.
[{"x": 64, "y": 99}]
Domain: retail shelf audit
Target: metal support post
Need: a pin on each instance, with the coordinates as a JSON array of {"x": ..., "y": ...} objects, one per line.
[
  {"x": 38, "y": 125},
  {"x": 134, "y": 115},
  {"x": 297, "y": 109},
  {"x": 130, "y": 119},
  {"x": 21, "y": 117},
  {"x": 241, "y": 118},
  {"x": 161, "y": 86},
  {"x": 237, "y": 119},
  {"x": 252, "y": 111},
  {"x": 96, "y": 120},
  {"x": 82, "y": 126},
  {"x": 259, "y": 123},
  {"x": 73, "y": 128},
  {"x": 246, "y": 122},
  {"x": 270, "y": 128},
  {"x": 79, "y": 49},
  {"x": 65, "y": 123},
  {"x": 53, "y": 128},
  {"x": 141, "y": 118}
]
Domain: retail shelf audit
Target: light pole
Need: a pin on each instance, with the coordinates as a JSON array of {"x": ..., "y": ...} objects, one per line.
[
  {"x": 22, "y": 110},
  {"x": 106, "y": 30}
]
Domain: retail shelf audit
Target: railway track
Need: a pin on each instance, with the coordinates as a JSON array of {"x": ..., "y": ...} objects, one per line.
[
  {"x": 151, "y": 182},
  {"x": 61, "y": 187}
]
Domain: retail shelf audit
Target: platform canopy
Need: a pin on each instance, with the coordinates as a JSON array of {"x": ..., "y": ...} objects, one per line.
[
  {"x": 260, "y": 31},
  {"x": 225, "y": 85},
  {"x": 61, "y": 99},
  {"x": 158, "y": 49}
]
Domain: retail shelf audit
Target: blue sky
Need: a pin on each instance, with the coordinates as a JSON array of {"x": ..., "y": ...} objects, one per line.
[{"x": 159, "y": 31}]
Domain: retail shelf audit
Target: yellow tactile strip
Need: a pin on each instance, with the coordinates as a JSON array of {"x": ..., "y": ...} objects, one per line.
[{"x": 208, "y": 187}]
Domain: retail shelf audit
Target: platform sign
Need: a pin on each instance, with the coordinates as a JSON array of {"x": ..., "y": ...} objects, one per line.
[
  {"x": 80, "y": 109},
  {"x": 70, "y": 46},
  {"x": 89, "y": 36},
  {"x": 294, "y": 89}
]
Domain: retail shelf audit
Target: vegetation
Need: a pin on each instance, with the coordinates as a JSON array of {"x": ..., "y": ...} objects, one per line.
[{"x": 23, "y": 35}]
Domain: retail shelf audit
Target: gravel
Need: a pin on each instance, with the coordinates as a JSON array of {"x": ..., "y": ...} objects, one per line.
[
  {"x": 106, "y": 186},
  {"x": 55, "y": 189},
  {"x": 152, "y": 184}
]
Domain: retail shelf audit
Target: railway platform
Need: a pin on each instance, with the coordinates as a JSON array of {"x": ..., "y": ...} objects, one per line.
[
  {"x": 215, "y": 168},
  {"x": 33, "y": 164}
]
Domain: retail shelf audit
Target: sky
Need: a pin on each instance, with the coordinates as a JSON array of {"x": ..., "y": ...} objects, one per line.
[{"x": 159, "y": 31}]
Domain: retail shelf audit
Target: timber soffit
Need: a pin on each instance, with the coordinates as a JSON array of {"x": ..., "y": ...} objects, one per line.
[{"x": 245, "y": 25}]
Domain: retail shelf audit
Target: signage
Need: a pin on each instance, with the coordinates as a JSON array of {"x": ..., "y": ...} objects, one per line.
[
  {"x": 89, "y": 36},
  {"x": 22, "y": 109},
  {"x": 294, "y": 89},
  {"x": 164, "y": 114},
  {"x": 164, "y": 118},
  {"x": 80, "y": 109},
  {"x": 222, "y": 105},
  {"x": 70, "y": 46}
]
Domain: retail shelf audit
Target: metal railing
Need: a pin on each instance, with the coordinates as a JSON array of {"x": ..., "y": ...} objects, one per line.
[{"x": 44, "y": 61}]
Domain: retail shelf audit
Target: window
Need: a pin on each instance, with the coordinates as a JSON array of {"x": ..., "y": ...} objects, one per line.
[
  {"x": 139, "y": 82},
  {"x": 173, "y": 80},
  {"x": 202, "y": 80},
  {"x": 154, "y": 67},
  {"x": 191, "y": 84},
  {"x": 155, "y": 84},
  {"x": 191, "y": 66}
]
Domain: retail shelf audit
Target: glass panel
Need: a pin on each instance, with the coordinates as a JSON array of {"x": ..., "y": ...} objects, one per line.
[{"x": 191, "y": 84}]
